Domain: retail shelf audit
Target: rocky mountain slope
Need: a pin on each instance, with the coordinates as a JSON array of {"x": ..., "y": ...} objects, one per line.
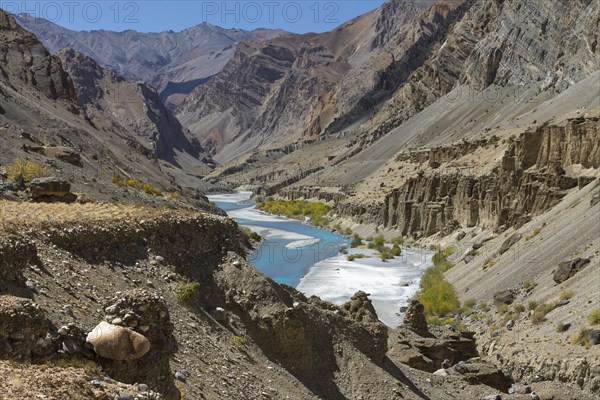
[
  {"x": 294, "y": 86},
  {"x": 82, "y": 121},
  {"x": 118, "y": 106},
  {"x": 174, "y": 63},
  {"x": 370, "y": 78}
]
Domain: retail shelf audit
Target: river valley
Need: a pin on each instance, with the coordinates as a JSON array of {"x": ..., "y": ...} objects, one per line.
[{"x": 310, "y": 258}]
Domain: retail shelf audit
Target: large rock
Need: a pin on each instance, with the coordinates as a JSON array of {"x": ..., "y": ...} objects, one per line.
[
  {"x": 508, "y": 243},
  {"x": 481, "y": 372},
  {"x": 117, "y": 343},
  {"x": 49, "y": 187},
  {"x": 568, "y": 269},
  {"x": 414, "y": 319},
  {"x": 504, "y": 296}
]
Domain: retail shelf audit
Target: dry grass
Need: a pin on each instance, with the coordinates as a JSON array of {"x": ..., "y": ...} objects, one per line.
[{"x": 16, "y": 215}]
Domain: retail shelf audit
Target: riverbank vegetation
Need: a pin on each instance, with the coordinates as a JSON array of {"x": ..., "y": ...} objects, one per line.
[
  {"x": 437, "y": 295},
  {"x": 297, "y": 209}
]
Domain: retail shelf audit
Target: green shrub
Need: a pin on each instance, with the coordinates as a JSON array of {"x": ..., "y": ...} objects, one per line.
[
  {"x": 470, "y": 303},
  {"x": 566, "y": 294},
  {"x": 581, "y": 338},
  {"x": 396, "y": 250},
  {"x": 344, "y": 250},
  {"x": 594, "y": 317},
  {"x": 490, "y": 262},
  {"x": 483, "y": 306},
  {"x": 399, "y": 240},
  {"x": 379, "y": 241},
  {"x": 518, "y": 308},
  {"x": 502, "y": 308},
  {"x": 297, "y": 209},
  {"x": 437, "y": 295},
  {"x": 26, "y": 170},
  {"x": 440, "y": 261},
  {"x": 532, "y": 305},
  {"x": 539, "y": 315},
  {"x": 529, "y": 284},
  {"x": 353, "y": 257},
  {"x": 356, "y": 240},
  {"x": 185, "y": 290},
  {"x": 237, "y": 340}
]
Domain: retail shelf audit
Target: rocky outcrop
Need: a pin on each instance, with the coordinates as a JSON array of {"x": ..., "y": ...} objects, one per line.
[
  {"x": 510, "y": 242},
  {"x": 414, "y": 318},
  {"x": 138, "y": 343},
  {"x": 306, "y": 336},
  {"x": 26, "y": 60},
  {"x": 127, "y": 243},
  {"x": 568, "y": 269},
  {"x": 504, "y": 297},
  {"x": 41, "y": 188},
  {"x": 481, "y": 372},
  {"x": 23, "y": 329},
  {"x": 437, "y": 350},
  {"x": 360, "y": 308},
  {"x": 16, "y": 253},
  {"x": 529, "y": 180}
]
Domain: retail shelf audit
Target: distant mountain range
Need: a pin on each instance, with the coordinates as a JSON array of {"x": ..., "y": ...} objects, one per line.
[{"x": 174, "y": 63}]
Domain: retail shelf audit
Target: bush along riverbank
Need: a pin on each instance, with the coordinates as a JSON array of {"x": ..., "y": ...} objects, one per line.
[{"x": 315, "y": 212}]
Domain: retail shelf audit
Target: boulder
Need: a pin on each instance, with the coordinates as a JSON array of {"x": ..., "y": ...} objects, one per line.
[
  {"x": 117, "y": 343},
  {"x": 414, "y": 319},
  {"x": 219, "y": 314},
  {"x": 504, "y": 297},
  {"x": 568, "y": 269},
  {"x": 49, "y": 187},
  {"x": 65, "y": 154},
  {"x": 508, "y": 243},
  {"x": 481, "y": 372},
  {"x": 593, "y": 337}
]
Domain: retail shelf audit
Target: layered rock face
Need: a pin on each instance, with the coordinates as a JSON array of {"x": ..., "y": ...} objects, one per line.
[
  {"x": 26, "y": 60},
  {"x": 295, "y": 86},
  {"x": 431, "y": 203},
  {"x": 325, "y": 84}
]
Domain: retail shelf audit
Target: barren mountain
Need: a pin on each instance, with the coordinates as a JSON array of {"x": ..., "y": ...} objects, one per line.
[
  {"x": 291, "y": 87},
  {"x": 173, "y": 63},
  {"x": 373, "y": 73},
  {"x": 75, "y": 125}
]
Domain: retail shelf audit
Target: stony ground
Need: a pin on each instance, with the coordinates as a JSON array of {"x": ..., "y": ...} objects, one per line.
[{"x": 241, "y": 353}]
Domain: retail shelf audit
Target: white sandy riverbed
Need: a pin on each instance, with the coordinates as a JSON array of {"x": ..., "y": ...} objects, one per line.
[{"x": 390, "y": 283}]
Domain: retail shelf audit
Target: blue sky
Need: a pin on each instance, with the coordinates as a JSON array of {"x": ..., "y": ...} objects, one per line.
[{"x": 298, "y": 16}]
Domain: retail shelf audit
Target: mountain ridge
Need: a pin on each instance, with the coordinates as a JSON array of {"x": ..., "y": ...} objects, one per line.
[{"x": 157, "y": 58}]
